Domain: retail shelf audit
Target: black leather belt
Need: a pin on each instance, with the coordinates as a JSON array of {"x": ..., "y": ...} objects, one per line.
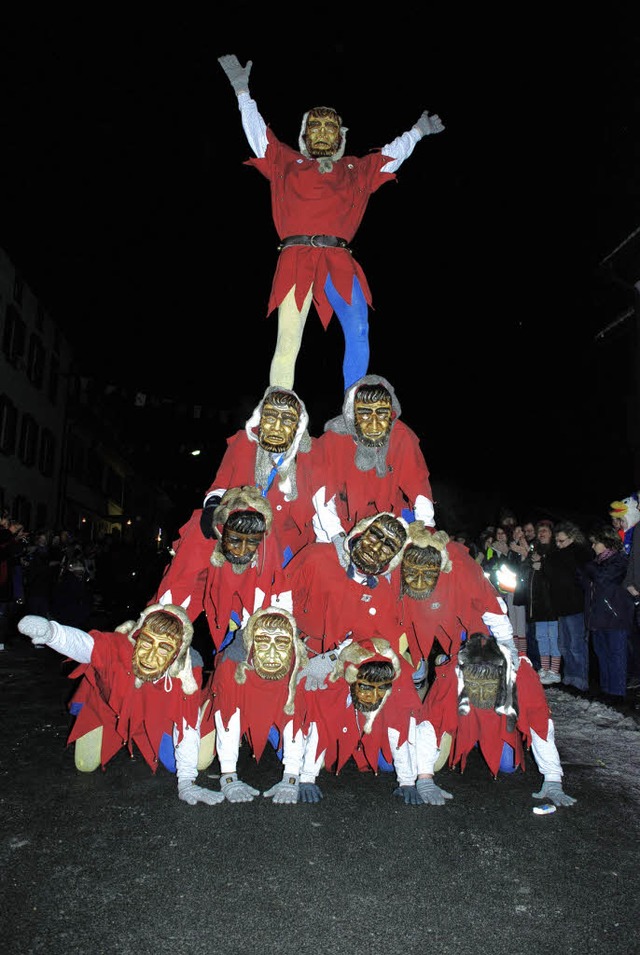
[{"x": 317, "y": 241}]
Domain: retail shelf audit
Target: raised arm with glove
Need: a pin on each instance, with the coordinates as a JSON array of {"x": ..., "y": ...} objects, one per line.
[{"x": 237, "y": 74}]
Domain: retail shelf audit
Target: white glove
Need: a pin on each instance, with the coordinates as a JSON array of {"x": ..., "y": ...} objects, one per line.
[
  {"x": 39, "y": 629},
  {"x": 326, "y": 523},
  {"x": 432, "y": 794},
  {"x": 189, "y": 792},
  {"x": 551, "y": 789},
  {"x": 427, "y": 125},
  {"x": 285, "y": 792},
  {"x": 235, "y": 790}
]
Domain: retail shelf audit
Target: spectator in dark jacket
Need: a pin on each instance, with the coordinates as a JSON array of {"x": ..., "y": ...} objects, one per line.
[
  {"x": 72, "y": 597},
  {"x": 567, "y": 596},
  {"x": 632, "y": 583},
  {"x": 38, "y": 577},
  {"x": 10, "y": 547},
  {"x": 608, "y": 608}
]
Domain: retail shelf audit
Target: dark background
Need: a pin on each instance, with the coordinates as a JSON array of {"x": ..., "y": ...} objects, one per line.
[{"x": 128, "y": 210}]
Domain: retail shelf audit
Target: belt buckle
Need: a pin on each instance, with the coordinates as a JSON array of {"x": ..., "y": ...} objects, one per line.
[{"x": 312, "y": 241}]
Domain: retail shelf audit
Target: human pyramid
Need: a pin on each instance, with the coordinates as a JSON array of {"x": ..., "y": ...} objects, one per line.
[{"x": 316, "y": 561}]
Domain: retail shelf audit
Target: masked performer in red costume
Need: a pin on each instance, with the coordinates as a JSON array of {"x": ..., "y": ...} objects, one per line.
[
  {"x": 478, "y": 699},
  {"x": 138, "y": 687},
  {"x": 274, "y": 452},
  {"x": 255, "y": 690},
  {"x": 332, "y": 602},
  {"x": 235, "y": 577},
  {"x": 365, "y": 708},
  {"x": 318, "y": 199},
  {"x": 370, "y": 462},
  {"x": 444, "y": 594}
]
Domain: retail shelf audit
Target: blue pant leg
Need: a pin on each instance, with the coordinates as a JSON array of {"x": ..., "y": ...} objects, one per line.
[
  {"x": 542, "y": 638},
  {"x": 574, "y": 650},
  {"x": 354, "y": 320},
  {"x": 617, "y": 662}
]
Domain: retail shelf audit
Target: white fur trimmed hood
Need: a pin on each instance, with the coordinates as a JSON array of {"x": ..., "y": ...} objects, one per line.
[{"x": 180, "y": 669}]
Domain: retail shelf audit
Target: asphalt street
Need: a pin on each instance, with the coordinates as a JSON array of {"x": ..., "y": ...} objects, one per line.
[{"x": 112, "y": 863}]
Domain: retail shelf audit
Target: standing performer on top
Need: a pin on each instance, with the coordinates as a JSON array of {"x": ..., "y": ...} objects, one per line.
[{"x": 318, "y": 199}]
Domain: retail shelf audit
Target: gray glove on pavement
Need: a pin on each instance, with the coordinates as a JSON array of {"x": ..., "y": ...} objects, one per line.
[
  {"x": 432, "y": 794},
  {"x": 237, "y": 75},
  {"x": 37, "y": 628},
  {"x": 309, "y": 792},
  {"x": 428, "y": 125},
  {"x": 285, "y": 792},
  {"x": 189, "y": 792},
  {"x": 235, "y": 790},
  {"x": 317, "y": 670},
  {"x": 554, "y": 791},
  {"x": 410, "y": 795}
]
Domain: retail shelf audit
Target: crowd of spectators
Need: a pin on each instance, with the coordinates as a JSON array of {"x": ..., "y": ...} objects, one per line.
[
  {"x": 572, "y": 596},
  {"x": 80, "y": 583}
]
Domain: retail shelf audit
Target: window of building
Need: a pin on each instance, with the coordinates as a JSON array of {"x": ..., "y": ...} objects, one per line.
[
  {"x": 76, "y": 457},
  {"x": 18, "y": 289},
  {"x": 36, "y": 360},
  {"x": 8, "y": 425},
  {"x": 28, "y": 443},
  {"x": 14, "y": 337},
  {"x": 47, "y": 454},
  {"x": 54, "y": 380}
]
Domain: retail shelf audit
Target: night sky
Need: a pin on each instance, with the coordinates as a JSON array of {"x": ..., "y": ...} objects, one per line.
[{"x": 127, "y": 208}]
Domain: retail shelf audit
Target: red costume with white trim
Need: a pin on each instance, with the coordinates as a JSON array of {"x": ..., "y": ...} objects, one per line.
[
  {"x": 128, "y": 714},
  {"x": 306, "y": 201},
  {"x": 260, "y": 703},
  {"x": 328, "y": 604},
  {"x": 486, "y": 727},
  {"x": 292, "y": 527},
  {"x": 365, "y": 481},
  {"x": 345, "y": 732},
  {"x": 220, "y": 592},
  {"x": 457, "y": 603}
]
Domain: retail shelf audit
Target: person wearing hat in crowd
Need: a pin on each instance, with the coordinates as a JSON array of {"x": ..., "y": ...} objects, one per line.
[
  {"x": 364, "y": 709},
  {"x": 370, "y": 462},
  {"x": 274, "y": 452},
  {"x": 626, "y": 513},
  {"x": 233, "y": 578},
  {"x": 608, "y": 608},
  {"x": 478, "y": 698},
  {"x": 318, "y": 199},
  {"x": 139, "y": 688},
  {"x": 255, "y": 692},
  {"x": 334, "y": 599}
]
